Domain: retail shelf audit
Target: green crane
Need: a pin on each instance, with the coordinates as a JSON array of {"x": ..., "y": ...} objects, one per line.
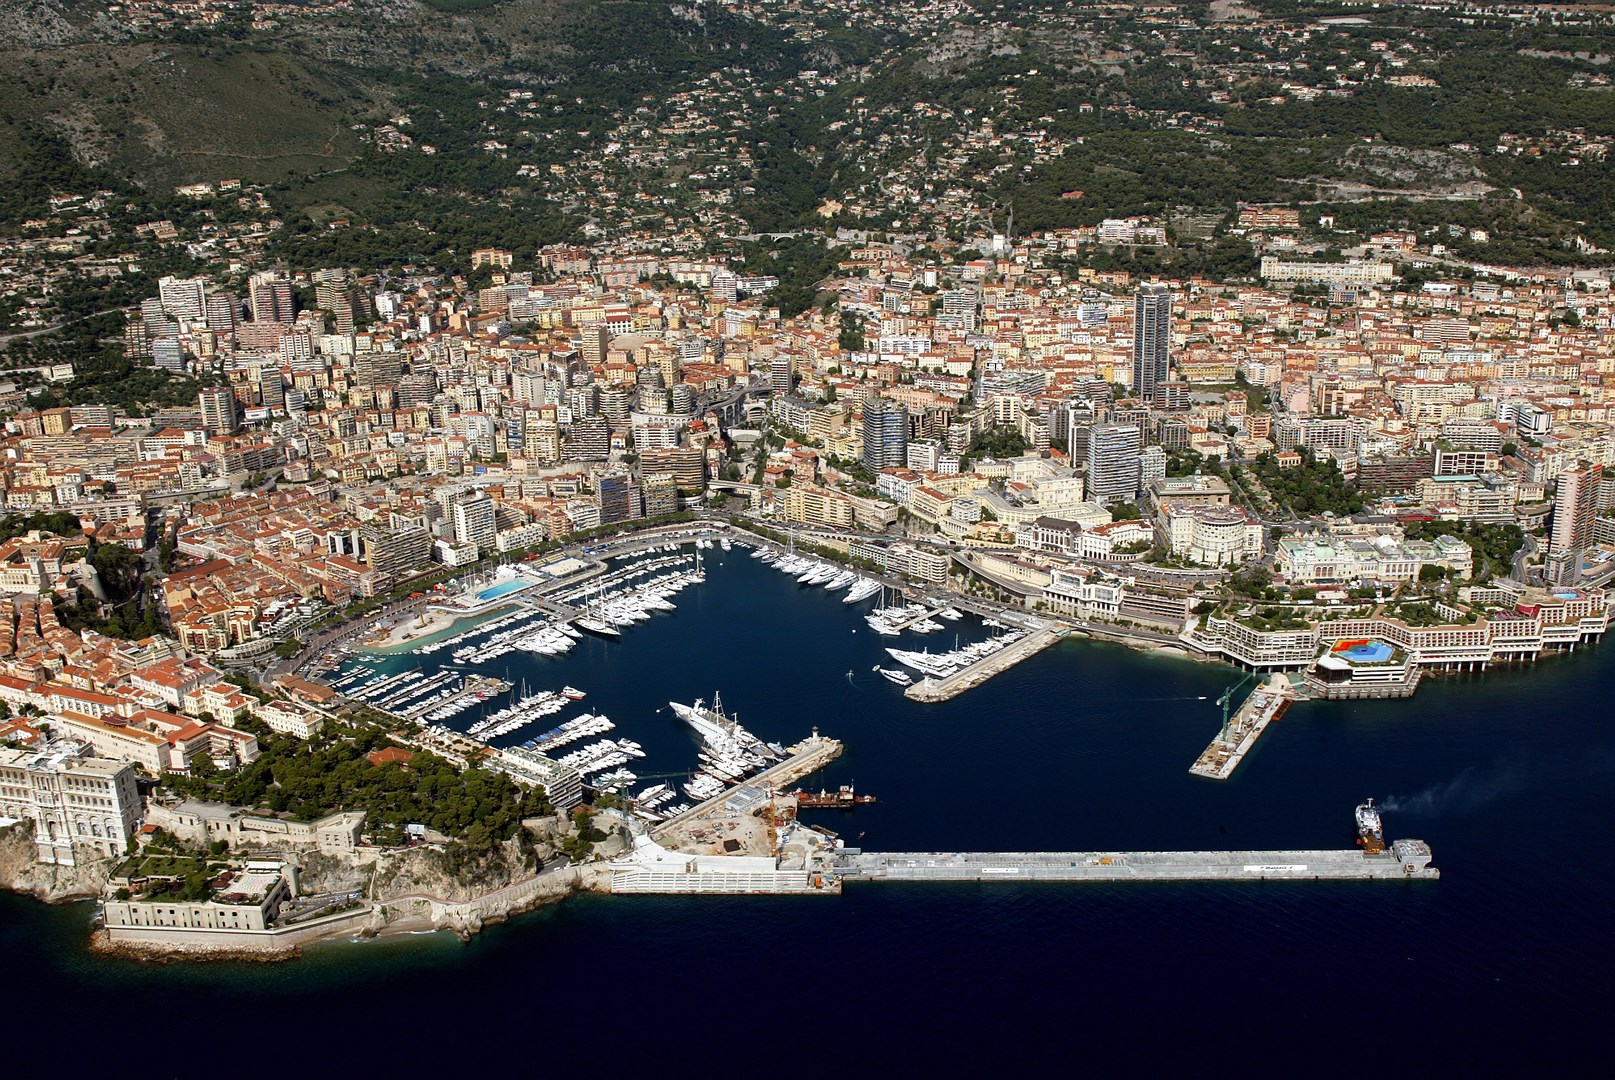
[{"x": 1228, "y": 697}]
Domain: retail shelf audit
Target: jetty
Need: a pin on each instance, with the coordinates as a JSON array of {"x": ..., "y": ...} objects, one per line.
[
  {"x": 1264, "y": 705},
  {"x": 806, "y": 758},
  {"x": 1403, "y": 860},
  {"x": 968, "y": 678},
  {"x": 915, "y": 619}
]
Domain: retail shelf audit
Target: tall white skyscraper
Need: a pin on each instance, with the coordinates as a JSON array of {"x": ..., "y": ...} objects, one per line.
[{"x": 1113, "y": 462}]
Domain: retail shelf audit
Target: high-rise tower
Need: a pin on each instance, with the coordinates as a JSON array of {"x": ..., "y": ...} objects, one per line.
[{"x": 1152, "y": 338}]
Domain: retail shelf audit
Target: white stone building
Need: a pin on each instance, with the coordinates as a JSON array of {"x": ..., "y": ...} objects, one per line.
[{"x": 75, "y": 801}]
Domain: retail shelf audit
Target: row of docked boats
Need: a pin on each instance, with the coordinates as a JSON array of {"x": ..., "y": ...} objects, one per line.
[
  {"x": 655, "y": 797},
  {"x": 379, "y": 684},
  {"x": 476, "y": 690},
  {"x": 811, "y": 571},
  {"x": 520, "y": 713},
  {"x": 942, "y": 665},
  {"x": 610, "y": 613},
  {"x": 615, "y": 780},
  {"x": 534, "y": 635},
  {"x": 603, "y": 755},
  {"x": 482, "y": 629},
  {"x": 439, "y": 693},
  {"x": 729, "y": 753},
  {"x": 351, "y": 676},
  {"x": 579, "y": 727},
  {"x": 624, "y": 576},
  {"x": 891, "y": 620},
  {"x": 415, "y": 695}
]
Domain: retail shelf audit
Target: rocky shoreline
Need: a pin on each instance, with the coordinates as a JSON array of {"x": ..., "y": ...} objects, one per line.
[
  {"x": 388, "y": 916},
  {"x": 183, "y": 953},
  {"x": 411, "y": 891}
]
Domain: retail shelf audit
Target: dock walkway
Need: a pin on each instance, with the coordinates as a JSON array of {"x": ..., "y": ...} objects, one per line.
[
  {"x": 1407, "y": 859},
  {"x": 928, "y": 613},
  {"x": 1265, "y": 705},
  {"x": 931, "y": 690},
  {"x": 807, "y": 757}
]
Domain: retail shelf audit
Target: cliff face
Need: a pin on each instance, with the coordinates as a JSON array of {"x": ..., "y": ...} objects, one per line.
[
  {"x": 19, "y": 872},
  {"x": 432, "y": 872},
  {"x": 446, "y": 890}
]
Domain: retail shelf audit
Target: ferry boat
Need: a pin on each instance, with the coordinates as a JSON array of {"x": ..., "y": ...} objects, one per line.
[{"x": 1370, "y": 830}]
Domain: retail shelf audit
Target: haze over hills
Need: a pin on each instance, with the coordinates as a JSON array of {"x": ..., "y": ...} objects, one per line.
[{"x": 767, "y": 116}]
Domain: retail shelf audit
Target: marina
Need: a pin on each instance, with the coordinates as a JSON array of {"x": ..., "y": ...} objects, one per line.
[
  {"x": 591, "y": 608},
  {"x": 723, "y": 789},
  {"x": 1102, "y": 739}
]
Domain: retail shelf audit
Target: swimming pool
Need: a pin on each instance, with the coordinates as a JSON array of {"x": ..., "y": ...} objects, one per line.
[
  {"x": 502, "y": 588},
  {"x": 1364, "y": 652}
]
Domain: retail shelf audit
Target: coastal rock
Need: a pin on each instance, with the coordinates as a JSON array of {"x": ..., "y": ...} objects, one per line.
[
  {"x": 21, "y": 872},
  {"x": 186, "y": 952}
]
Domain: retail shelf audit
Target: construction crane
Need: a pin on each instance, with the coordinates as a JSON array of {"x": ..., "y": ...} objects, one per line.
[{"x": 1227, "y": 698}]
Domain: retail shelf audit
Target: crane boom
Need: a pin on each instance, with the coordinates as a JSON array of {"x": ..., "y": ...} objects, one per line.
[{"x": 1227, "y": 698}]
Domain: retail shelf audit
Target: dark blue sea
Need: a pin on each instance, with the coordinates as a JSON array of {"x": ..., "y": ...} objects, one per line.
[{"x": 1505, "y": 963}]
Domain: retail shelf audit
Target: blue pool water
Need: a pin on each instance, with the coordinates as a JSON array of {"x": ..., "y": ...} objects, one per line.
[
  {"x": 1371, "y": 653},
  {"x": 503, "y": 587}
]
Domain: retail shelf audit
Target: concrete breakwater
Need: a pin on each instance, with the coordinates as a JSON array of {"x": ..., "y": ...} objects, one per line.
[
  {"x": 1405, "y": 860},
  {"x": 933, "y": 690},
  {"x": 1264, "y": 705}
]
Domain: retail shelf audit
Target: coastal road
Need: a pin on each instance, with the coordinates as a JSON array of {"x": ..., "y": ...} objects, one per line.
[
  {"x": 1528, "y": 550},
  {"x": 1154, "y": 638}
]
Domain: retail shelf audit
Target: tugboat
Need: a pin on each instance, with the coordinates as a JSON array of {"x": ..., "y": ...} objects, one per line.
[{"x": 1370, "y": 831}]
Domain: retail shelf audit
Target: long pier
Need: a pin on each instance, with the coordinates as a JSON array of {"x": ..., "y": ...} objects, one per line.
[
  {"x": 1264, "y": 705},
  {"x": 1405, "y": 860},
  {"x": 968, "y": 678},
  {"x": 807, "y": 757}
]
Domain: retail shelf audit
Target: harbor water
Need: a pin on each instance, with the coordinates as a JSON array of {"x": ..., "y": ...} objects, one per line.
[{"x": 1503, "y": 962}]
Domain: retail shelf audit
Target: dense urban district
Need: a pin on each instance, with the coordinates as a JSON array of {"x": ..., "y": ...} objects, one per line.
[{"x": 1271, "y": 333}]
